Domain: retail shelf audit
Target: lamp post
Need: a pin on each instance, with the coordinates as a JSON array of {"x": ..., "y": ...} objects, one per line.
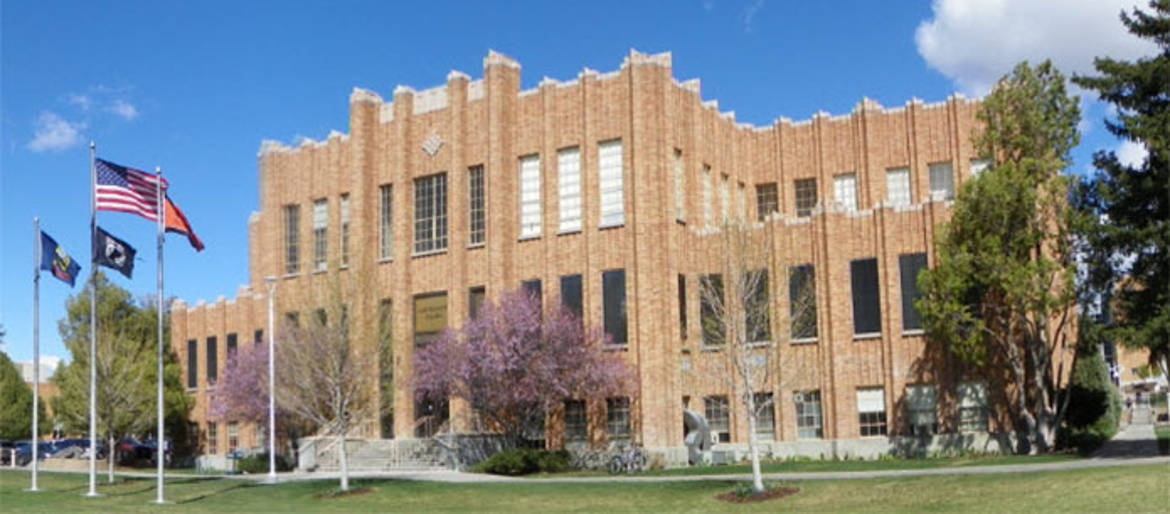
[{"x": 271, "y": 281}]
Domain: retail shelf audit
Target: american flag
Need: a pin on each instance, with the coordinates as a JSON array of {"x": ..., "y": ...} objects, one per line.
[{"x": 123, "y": 189}]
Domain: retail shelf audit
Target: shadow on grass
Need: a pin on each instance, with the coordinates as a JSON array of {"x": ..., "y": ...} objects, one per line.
[{"x": 217, "y": 492}]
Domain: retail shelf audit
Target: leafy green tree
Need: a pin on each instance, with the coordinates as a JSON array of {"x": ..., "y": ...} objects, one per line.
[
  {"x": 126, "y": 368},
  {"x": 1003, "y": 292},
  {"x": 16, "y": 404},
  {"x": 1131, "y": 242},
  {"x": 1093, "y": 404}
]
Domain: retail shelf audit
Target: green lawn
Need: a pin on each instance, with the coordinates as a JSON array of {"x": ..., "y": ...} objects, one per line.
[
  {"x": 843, "y": 465},
  {"x": 1123, "y": 489},
  {"x": 1163, "y": 433}
]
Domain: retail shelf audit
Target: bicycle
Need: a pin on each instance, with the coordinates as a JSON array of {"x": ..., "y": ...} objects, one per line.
[{"x": 633, "y": 460}]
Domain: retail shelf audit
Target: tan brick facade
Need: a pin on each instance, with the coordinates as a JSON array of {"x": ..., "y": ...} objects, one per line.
[{"x": 491, "y": 122}]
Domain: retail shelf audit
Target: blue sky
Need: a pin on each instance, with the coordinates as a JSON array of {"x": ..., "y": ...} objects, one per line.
[{"x": 195, "y": 87}]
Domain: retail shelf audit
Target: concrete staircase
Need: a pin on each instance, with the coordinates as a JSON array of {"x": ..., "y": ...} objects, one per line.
[{"x": 374, "y": 455}]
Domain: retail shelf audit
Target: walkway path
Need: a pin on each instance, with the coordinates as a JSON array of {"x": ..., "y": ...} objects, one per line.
[{"x": 1134, "y": 440}]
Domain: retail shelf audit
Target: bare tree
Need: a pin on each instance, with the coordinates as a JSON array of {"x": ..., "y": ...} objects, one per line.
[
  {"x": 323, "y": 376},
  {"x": 739, "y": 321}
]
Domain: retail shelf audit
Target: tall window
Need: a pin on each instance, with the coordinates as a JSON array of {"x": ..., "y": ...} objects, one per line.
[
  {"x": 806, "y": 196},
  {"x": 765, "y": 417},
  {"x": 922, "y": 409},
  {"x": 716, "y": 409},
  {"x": 682, "y": 305},
  {"x": 972, "y": 407},
  {"x": 908, "y": 267},
  {"x": 232, "y": 343},
  {"x": 257, "y": 337},
  {"x": 345, "y": 229},
  {"x": 710, "y": 300},
  {"x": 802, "y": 300},
  {"x": 576, "y": 421},
  {"x": 898, "y": 187},
  {"x": 192, "y": 364},
  {"x": 533, "y": 288},
  {"x": 233, "y": 436},
  {"x": 740, "y": 203},
  {"x": 212, "y": 361},
  {"x": 708, "y": 213},
  {"x": 617, "y": 416},
  {"x": 724, "y": 199},
  {"x": 476, "y": 207},
  {"x": 808, "y": 415},
  {"x": 430, "y": 317},
  {"x": 320, "y": 231},
  {"x": 529, "y": 196},
  {"x": 292, "y": 221},
  {"x": 871, "y": 411},
  {"x": 979, "y": 166},
  {"x": 867, "y": 318},
  {"x": 572, "y": 295},
  {"x": 767, "y": 200},
  {"x": 609, "y": 163},
  {"x": 430, "y": 213},
  {"x": 758, "y": 307},
  {"x": 386, "y": 368},
  {"x": 680, "y": 186},
  {"x": 845, "y": 192},
  {"x": 212, "y": 438},
  {"x": 569, "y": 187},
  {"x": 475, "y": 299},
  {"x": 942, "y": 181},
  {"x": 613, "y": 291},
  {"x": 385, "y": 221}
]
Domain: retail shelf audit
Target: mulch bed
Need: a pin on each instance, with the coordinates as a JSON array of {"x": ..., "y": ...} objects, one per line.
[
  {"x": 337, "y": 495},
  {"x": 770, "y": 494}
]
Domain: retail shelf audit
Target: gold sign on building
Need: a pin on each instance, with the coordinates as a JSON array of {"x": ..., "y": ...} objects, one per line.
[{"x": 430, "y": 314}]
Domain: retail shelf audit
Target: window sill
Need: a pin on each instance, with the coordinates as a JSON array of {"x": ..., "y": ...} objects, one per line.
[
  {"x": 385, "y": 260},
  {"x": 343, "y": 267},
  {"x": 804, "y": 340},
  {"x": 569, "y": 232},
  {"x": 193, "y": 390},
  {"x": 710, "y": 349},
  {"x": 680, "y": 221},
  {"x": 528, "y": 238},
  {"x": 616, "y": 348},
  {"x": 611, "y": 226},
  {"x": 759, "y": 344},
  {"x": 427, "y": 253},
  {"x": 287, "y": 276},
  {"x": 318, "y": 272},
  {"x": 476, "y": 246},
  {"x": 867, "y": 336},
  {"x": 914, "y": 332}
]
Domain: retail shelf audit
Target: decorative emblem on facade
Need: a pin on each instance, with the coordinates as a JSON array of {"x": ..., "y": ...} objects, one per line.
[{"x": 432, "y": 145}]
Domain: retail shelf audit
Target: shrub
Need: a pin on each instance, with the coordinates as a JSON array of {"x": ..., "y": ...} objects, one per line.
[
  {"x": 258, "y": 463},
  {"x": 1094, "y": 407},
  {"x": 523, "y": 461}
]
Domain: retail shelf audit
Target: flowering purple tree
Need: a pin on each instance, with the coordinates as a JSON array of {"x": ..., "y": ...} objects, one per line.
[
  {"x": 241, "y": 394},
  {"x": 512, "y": 364}
]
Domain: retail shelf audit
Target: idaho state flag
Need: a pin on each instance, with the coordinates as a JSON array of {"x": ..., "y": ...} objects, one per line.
[
  {"x": 178, "y": 224},
  {"x": 55, "y": 260}
]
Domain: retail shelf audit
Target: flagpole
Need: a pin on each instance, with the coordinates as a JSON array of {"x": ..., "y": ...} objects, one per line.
[
  {"x": 160, "y": 441},
  {"x": 93, "y": 326},
  {"x": 36, "y": 347}
]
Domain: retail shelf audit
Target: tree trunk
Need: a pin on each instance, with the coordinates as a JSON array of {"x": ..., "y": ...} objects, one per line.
[
  {"x": 110, "y": 460},
  {"x": 344, "y": 461},
  {"x": 754, "y": 450}
]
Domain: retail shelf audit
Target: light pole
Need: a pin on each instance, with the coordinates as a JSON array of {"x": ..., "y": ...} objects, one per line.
[{"x": 271, "y": 281}]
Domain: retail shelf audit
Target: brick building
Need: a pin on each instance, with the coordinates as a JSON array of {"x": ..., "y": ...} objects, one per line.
[{"x": 608, "y": 192}]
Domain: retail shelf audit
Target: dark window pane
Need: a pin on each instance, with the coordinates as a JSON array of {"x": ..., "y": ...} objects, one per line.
[
  {"x": 908, "y": 267},
  {"x": 232, "y": 342},
  {"x": 613, "y": 285},
  {"x": 386, "y": 368},
  {"x": 476, "y": 219},
  {"x": 806, "y": 196},
  {"x": 572, "y": 295},
  {"x": 258, "y": 337},
  {"x": 802, "y": 297},
  {"x": 767, "y": 200},
  {"x": 710, "y": 300},
  {"x": 212, "y": 360},
  {"x": 192, "y": 364},
  {"x": 866, "y": 298},
  {"x": 293, "y": 319},
  {"x": 682, "y": 305},
  {"x": 759, "y": 315},
  {"x": 475, "y": 299}
]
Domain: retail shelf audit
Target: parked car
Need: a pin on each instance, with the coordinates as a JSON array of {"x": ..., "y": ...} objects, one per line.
[
  {"x": 24, "y": 452},
  {"x": 76, "y": 448},
  {"x": 152, "y": 446},
  {"x": 130, "y": 450},
  {"x": 6, "y": 448}
]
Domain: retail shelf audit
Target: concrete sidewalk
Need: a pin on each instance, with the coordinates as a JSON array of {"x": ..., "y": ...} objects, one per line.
[{"x": 1134, "y": 440}]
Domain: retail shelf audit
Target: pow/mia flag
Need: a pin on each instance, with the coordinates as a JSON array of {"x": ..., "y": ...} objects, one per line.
[{"x": 113, "y": 253}]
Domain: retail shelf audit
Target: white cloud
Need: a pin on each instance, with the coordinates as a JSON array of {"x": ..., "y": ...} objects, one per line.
[
  {"x": 84, "y": 102},
  {"x": 123, "y": 109},
  {"x": 974, "y": 43},
  {"x": 748, "y": 15},
  {"x": 54, "y": 133},
  {"x": 1132, "y": 154}
]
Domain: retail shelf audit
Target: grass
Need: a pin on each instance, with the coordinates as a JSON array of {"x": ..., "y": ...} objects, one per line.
[
  {"x": 1163, "y": 433},
  {"x": 812, "y": 466},
  {"x": 1121, "y": 489}
]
